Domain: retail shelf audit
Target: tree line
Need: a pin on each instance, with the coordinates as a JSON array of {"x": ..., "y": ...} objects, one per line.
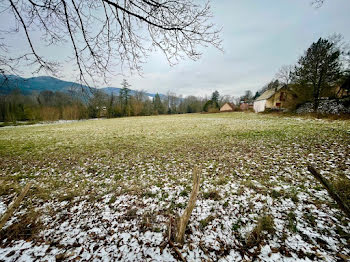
[
  {"x": 51, "y": 106},
  {"x": 319, "y": 72}
]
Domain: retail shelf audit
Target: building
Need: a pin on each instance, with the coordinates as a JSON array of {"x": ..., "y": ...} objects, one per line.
[
  {"x": 228, "y": 107},
  {"x": 245, "y": 106},
  {"x": 274, "y": 98}
]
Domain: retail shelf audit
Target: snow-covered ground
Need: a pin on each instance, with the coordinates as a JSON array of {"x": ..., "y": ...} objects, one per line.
[
  {"x": 20, "y": 124},
  {"x": 107, "y": 191}
]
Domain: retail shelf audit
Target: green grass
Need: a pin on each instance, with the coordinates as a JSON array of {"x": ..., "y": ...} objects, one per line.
[
  {"x": 251, "y": 165},
  {"x": 130, "y": 155}
]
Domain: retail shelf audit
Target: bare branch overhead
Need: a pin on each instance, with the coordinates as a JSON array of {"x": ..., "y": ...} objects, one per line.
[{"x": 104, "y": 34}]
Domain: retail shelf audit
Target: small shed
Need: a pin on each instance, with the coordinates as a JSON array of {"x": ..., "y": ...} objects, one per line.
[
  {"x": 228, "y": 107},
  {"x": 274, "y": 98}
]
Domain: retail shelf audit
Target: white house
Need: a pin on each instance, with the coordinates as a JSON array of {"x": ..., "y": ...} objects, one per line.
[{"x": 274, "y": 98}]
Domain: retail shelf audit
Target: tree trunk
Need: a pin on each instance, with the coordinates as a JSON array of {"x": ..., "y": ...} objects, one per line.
[
  {"x": 183, "y": 221},
  {"x": 316, "y": 98},
  {"x": 343, "y": 206}
]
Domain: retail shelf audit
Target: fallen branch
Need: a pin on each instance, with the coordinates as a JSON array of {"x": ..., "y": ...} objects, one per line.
[
  {"x": 13, "y": 206},
  {"x": 343, "y": 206},
  {"x": 183, "y": 220}
]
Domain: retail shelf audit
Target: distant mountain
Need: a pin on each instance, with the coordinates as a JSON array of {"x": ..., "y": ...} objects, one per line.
[{"x": 37, "y": 84}]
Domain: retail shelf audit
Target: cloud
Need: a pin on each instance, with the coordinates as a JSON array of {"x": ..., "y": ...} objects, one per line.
[{"x": 258, "y": 38}]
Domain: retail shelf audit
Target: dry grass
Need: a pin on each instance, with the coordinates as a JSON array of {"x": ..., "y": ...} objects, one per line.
[
  {"x": 205, "y": 222},
  {"x": 212, "y": 194},
  {"x": 120, "y": 169},
  {"x": 264, "y": 227},
  {"x": 342, "y": 187},
  {"x": 26, "y": 227}
]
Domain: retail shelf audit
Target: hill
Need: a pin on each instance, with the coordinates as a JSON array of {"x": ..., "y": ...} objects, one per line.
[{"x": 31, "y": 85}]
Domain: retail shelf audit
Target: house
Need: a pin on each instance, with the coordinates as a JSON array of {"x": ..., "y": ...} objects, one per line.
[
  {"x": 274, "y": 98},
  {"x": 228, "y": 107},
  {"x": 245, "y": 106}
]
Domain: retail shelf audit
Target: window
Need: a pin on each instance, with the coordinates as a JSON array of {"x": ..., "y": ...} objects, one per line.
[{"x": 278, "y": 104}]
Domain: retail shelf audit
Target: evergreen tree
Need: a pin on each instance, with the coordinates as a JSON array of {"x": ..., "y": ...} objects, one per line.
[
  {"x": 213, "y": 103},
  {"x": 319, "y": 68},
  {"x": 215, "y": 97},
  {"x": 158, "y": 105},
  {"x": 124, "y": 96}
]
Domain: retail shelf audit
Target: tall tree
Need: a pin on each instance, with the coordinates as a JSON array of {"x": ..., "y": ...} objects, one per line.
[
  {"x": 319, "y": 67},
  {"x": 158, "y": 105},
  {"x": 124, "y": 97},
  {"x": 215, "y": 97},
  {"x": 213, "y": 103},
  {"x": 106, "y": 33}
]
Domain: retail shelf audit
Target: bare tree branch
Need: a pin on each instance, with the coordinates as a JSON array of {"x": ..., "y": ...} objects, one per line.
[
  {"x": 285, "y": 74},
  {"x": 317, "y": 3},
  {"x": 105, "y": 34}
]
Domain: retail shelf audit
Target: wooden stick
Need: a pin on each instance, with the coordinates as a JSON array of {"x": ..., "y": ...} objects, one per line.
[
  {"x": 13, "y": 206},
  {"x": 343, "y": 206},
  {"x": 183, "y": 221}
]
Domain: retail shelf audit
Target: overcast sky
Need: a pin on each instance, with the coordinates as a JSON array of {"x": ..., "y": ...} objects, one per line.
[{"x": 258, "y": 38}]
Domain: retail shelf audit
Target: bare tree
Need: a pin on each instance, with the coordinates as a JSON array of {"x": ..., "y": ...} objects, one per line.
[
  {"x": 318, "y": 3},
  {"x": 285, "y": 74},
  {"x": 104, "y": 34}
]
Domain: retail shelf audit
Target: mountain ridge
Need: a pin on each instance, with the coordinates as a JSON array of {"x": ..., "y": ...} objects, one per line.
[{"x": 27, "y": 86}]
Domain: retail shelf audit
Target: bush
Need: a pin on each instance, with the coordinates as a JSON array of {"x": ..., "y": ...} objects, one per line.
[
  {"x": 213, "y": 110},
  {"x": 211, "y": 106}
]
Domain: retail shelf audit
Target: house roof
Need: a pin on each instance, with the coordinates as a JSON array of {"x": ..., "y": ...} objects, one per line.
[
  {"x": 268, "y": 93},
  {"x": 230, "y": 104}
]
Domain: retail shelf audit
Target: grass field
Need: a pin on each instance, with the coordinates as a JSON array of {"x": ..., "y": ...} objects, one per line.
[{"x": 105, "y": 189}]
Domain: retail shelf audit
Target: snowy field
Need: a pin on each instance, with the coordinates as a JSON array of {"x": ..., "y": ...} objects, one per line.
[{"x": 105, "y": 190}]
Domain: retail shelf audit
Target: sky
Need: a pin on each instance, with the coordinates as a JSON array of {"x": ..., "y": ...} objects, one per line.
[{"x": 258, "y": 37}]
